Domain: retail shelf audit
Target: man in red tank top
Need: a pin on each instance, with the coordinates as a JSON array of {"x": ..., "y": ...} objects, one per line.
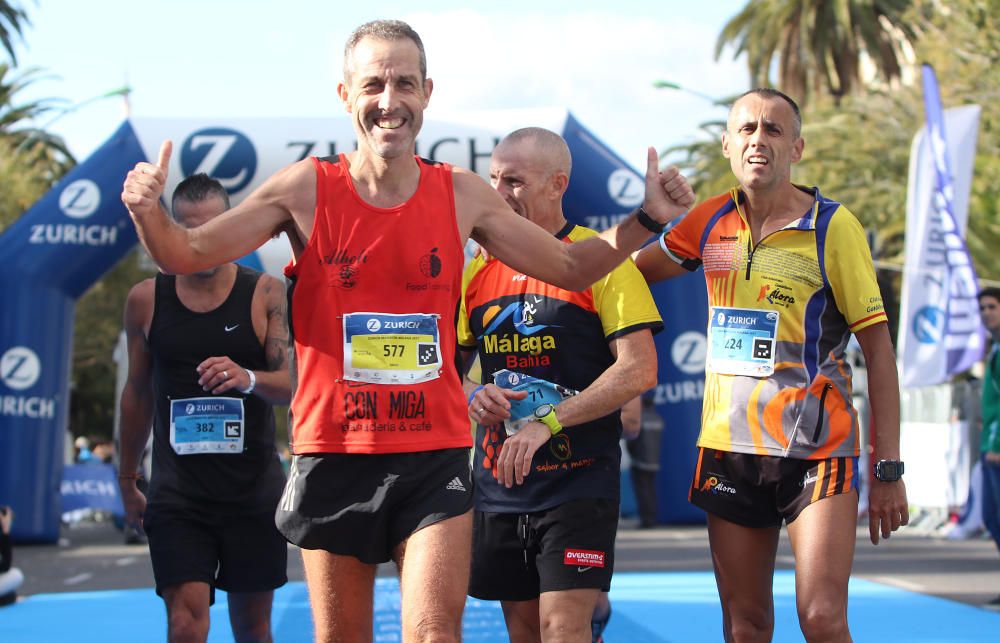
[{"x": 372, "y": 457}]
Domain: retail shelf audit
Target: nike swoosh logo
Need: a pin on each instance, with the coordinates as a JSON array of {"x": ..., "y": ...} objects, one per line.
[
  {"x": 228, "y": 329},
  {"x": 583, "y": 569}
]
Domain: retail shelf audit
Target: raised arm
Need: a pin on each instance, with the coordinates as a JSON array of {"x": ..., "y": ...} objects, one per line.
[
  {"x": 485, "y": 217},
  {"x": 655, "y": 265},
  {"x": 269, "y": 210},
  {"x": 137, "y": 399}
]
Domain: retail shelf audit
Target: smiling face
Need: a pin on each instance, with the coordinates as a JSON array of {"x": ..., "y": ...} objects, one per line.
[
  {"x": 761, "y": 142},
  {"x": 386, "y": 94}
]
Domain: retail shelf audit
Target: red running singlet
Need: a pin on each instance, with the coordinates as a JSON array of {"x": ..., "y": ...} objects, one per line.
[{"x": 372, "y": 308}]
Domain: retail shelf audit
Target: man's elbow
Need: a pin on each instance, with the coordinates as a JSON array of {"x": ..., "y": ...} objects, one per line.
[
  {"x": 186, "y": 255},
  {"x": 647, "y": 382},
  {"x": 173, "y": 265},
  {"x": 643, "y": 376}
]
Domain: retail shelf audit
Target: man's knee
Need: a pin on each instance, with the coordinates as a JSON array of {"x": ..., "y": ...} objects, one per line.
[
  {"x": 823, "y": 621},
  {"x": 438, "y": 628},
  {"x": 186, "y": 625},
  {"x": 750, "y": 625},
  {"x": 566, "y": 615},
  {"x": 252, "y": 631},
  {"x": 187, "y": 612},
  {"x": 562, "y": 627}
]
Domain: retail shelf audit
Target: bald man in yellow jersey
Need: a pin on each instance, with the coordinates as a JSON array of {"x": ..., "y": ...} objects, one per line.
[{"x": 789, "y": 278}]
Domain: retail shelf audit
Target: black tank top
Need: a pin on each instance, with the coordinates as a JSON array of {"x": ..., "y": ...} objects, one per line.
[{"x": 179, "y": 340}]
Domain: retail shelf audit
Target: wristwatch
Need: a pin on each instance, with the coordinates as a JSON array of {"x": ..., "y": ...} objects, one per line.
[
  {"x": 649, "y": 222},
  {"x": 888, "y": 470},
  {"x": 546, "y": 414}
]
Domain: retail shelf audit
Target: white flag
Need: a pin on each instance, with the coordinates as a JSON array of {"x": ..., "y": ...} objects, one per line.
[{"x": 939, "y": 329}]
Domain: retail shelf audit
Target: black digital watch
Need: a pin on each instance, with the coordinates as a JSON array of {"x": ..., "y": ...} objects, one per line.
[{"x": 888, "y": 470}]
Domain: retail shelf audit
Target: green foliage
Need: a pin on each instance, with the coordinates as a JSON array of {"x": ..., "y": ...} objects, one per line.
[
  {"x": 859, "y": 154},
  {"x": 962, "y": 42},
  {"x": 819, "y": 44},
  {"x": 32, "y": 155},
  {"x": 702, "y": 161},
  {"x": 95, "y": 334},
  {"x": 858, "y": 151},
  {"x": 12, "y": 22},
  {"x": 21, "y": 187},
  {"x": 31, "y": 160}
]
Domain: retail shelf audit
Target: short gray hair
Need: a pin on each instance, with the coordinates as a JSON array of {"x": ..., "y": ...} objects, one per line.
[{"x": 383, "y": 30}]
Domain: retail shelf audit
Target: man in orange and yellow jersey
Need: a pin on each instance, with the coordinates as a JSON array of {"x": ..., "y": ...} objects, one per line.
[{"x": 789, "y": 277}]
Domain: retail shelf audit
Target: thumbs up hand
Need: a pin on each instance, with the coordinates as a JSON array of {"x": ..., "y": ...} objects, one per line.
[
  {"x": 668, "y": 193},
  {"x": 144, "y": 184}
]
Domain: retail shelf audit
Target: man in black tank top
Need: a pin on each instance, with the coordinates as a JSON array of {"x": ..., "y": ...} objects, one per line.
[{"x": 207, "y": 359}]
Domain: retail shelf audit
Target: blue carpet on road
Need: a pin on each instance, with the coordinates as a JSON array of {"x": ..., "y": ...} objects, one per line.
[{"x": 681, "y": 608}]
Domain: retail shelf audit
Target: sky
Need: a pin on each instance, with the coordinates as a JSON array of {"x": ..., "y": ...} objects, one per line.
[{"x": 250, "y": 58}]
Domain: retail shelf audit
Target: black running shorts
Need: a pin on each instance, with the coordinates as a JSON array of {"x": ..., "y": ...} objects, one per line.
[
  {"x": 763, "y": 490},
  {"x": 233, "y": 553},
  {"x": 365, "y": 505},
  {"x": 516, "y": 557}
]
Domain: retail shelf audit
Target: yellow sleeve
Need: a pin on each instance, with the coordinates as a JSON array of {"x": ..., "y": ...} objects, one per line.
[
  {"x": 463, "y": 332},
  {"x": 851, "y": 273},
  {"x": 624, "y": 303}
]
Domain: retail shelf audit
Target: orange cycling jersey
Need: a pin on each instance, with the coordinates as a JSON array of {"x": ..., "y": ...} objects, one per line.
[{"x": 814, "y": 282}]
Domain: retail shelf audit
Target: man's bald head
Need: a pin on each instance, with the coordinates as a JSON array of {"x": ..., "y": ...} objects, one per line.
[
  {"x": 549, "y": 148},
  {"x": 530, "y": 169}
]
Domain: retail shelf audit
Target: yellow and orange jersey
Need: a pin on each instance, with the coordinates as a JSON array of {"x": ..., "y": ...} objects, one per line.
[
  {"x": 815, "y": 282},
  {"x": 522, "y": 324}
]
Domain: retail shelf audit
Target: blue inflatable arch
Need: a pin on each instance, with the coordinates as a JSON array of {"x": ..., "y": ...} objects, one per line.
[{"x": 80, "y": 229}]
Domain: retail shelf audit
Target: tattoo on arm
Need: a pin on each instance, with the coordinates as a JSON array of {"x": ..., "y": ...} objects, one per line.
[{"x": 276, "y": 340}]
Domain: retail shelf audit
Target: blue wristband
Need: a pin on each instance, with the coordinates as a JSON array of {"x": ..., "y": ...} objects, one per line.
[{"x": 473, "y": 393}]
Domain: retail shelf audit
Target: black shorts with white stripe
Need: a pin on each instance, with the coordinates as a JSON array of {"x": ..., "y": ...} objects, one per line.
[{"x": 364, "y": 505}]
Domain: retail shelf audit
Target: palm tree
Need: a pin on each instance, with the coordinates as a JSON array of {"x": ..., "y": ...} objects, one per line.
[
  {"x": 702, "y": 161},
  {"x": 12, "y": 19},
  {"x": 820, "y": 44},
  {"x": 43, "y": 155},
  {"x": 31, "y": 159},
  {"x": 16, "y": 123}
]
